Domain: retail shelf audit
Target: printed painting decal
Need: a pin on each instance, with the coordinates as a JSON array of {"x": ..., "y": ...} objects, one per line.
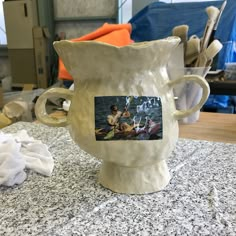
[{"x": 128, "y": 118}]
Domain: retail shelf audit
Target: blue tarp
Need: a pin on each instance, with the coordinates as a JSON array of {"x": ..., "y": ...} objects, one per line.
[{"x": 157, "y": 20}]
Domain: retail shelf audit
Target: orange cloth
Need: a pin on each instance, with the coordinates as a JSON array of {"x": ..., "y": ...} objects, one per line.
[{"x": 115, "y": 34}]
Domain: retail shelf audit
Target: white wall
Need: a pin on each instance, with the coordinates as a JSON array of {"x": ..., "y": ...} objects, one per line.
[
  {"x": 125, "y": 10},
  {"x": 3, "y": 39}
]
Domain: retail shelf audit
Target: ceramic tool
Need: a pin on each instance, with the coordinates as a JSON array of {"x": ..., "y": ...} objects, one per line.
[
  {"x": 192, "y": 50},
  {"x": 206, "y": 56},
  {"x": 204, "y": 60},
  {"x": 176, "y": 62},
  {"x": 217, "y": 21},
  {"x": 182, "y": 32},
  {"x": 176, "y": 70},
  {"x": 213, "y": 13}
]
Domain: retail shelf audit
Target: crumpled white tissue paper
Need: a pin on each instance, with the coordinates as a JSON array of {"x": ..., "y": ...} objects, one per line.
[{"x": 19, "y": 151}]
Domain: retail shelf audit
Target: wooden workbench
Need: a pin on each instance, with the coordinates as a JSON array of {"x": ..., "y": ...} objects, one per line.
[
  {"x": 211, "y": 126},
  {"x": 216, "y": 127}
]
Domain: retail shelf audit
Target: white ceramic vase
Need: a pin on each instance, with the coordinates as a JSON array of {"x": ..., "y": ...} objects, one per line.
[{"x": 133, "y": 77}]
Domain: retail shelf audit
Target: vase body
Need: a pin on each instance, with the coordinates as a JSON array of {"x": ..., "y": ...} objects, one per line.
[{"x": 134, "y": 77}]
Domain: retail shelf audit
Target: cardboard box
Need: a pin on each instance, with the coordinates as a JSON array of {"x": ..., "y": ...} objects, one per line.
[
  {"x": 22, "y": 62},
  {"x": 20, "y": 17},
  {"x": 1, "y": 95},
  {"x": 41, "y": 37}
]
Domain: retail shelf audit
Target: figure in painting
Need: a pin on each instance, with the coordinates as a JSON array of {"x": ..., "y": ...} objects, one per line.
[
  {"x": 126, "y": 125},
  {"x": 116, "y": 118}
]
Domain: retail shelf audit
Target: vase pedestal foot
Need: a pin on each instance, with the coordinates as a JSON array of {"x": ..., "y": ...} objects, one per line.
[{"x": 134, "y": 180}]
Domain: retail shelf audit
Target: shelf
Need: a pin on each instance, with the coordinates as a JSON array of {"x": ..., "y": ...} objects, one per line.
[
  {"x": 85, "y": 18},
  {"x": 223, "y": 87}
]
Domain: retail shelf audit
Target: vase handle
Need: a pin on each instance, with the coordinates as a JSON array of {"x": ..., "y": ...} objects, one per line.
[
  {"x": 40, "y": 106},
  {"x": 179, "y": 114}
]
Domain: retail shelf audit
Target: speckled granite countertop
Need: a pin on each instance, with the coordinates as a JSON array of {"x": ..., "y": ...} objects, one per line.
[{"x": 200, "y": 199}]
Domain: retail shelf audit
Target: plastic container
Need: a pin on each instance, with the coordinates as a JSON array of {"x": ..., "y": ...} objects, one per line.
[{"x": 188, "y": 94}]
